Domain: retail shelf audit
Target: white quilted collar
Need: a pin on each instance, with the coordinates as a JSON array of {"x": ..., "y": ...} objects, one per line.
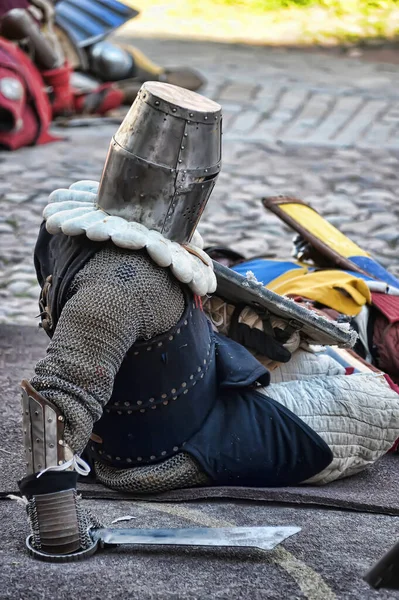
[{"x": 74, "y": 212}]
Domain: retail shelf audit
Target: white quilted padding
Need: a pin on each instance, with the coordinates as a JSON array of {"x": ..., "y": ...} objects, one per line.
[
  {"x": 356, "y": 415},
  {"x": 306, "y": 364},
  {"x": 74, "y": 212}
]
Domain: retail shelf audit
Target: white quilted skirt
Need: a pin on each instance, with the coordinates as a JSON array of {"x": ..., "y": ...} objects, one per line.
[{"x": 356, "y": 415}]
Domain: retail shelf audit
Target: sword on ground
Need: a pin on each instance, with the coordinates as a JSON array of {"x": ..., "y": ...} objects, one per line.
[{"x": 262, "y": 538}]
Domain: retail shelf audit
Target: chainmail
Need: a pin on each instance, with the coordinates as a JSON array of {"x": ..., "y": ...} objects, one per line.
[
  {"x": 179, "y": 471},
  {"x": 118, "y": 297}
]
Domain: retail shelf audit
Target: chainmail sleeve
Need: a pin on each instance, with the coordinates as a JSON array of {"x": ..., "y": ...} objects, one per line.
[{"x": 117, "y": 298}]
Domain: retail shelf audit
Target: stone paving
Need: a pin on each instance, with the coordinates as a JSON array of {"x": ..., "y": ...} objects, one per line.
[{"x": 315, "y": 125}]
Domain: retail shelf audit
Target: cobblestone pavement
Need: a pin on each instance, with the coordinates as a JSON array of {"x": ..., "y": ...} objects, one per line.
[{"x": 318, "y": 126}]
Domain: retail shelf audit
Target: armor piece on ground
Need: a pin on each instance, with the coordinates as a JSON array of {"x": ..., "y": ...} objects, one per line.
[
  {"x": 110, "y": 62},
  {"x": 17, "y": 25},
  {"x": 179, "y": 471},
  {"x": 247, "y": 291},
  {"x": 385, "y": 573},
  {"x": 43, "y": 425},
  {"x": 88, "y": 21},
  {"x": 163, "y": 161},
  {"x": 24, "y": 106}
]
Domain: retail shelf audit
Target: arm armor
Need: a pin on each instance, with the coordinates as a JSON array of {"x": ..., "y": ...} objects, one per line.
[{"x": 18, "y": 25}]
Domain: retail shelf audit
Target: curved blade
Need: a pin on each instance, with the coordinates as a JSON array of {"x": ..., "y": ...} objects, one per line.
[{"x": 264, "y": 538}]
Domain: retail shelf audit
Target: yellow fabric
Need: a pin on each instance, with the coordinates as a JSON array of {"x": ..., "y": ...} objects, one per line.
[
  {"x": 323, "y": 230},
  {"x": 335, "y": 289},
  {"x": 142, "y": 61}
]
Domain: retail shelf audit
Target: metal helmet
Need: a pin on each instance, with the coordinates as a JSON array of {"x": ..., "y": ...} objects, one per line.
[{"x": 164, "y": 160}]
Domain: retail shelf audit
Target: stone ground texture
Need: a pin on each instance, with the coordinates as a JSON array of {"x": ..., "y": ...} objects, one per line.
[{"x": 314, "y": 125}]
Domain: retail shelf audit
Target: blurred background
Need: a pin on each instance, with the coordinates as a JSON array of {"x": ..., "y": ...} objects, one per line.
[{"x": 276, "y": 22}]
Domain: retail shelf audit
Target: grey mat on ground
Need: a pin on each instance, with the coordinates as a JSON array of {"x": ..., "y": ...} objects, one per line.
[
  {"x": 374, "y": 490},
  {"x": 324, "y": 561}
]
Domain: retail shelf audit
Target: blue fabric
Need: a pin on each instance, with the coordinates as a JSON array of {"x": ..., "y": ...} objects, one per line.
[
  {"x": 162, "y": 394},
  {"x": 265, "y": 270},
  {"x": 251, "y": 440},
  {"x": 376, "y": 270},
  {"x": 88, "y": 20}
]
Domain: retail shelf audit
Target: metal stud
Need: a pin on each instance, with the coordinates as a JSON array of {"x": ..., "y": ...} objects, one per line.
[
  {"x": 129, "y": 460},
  {"x": 199, "y": 369},
  {"x": 180, "y": 160},
  {"x": 205, "y": 118},
  {"x": 181, "y": 147},
  {"x": 191, "y": 115},
  {"x": 191, "y": 376},
  {"x": 36, "y": 413},
  {"x": 173, "y": 390},
  {"x": 152, "y": 457},
  {"x": 139, "y": 402},
  {"x": 174, "y": 110},
  {"x": 117, "y": 457},
  {"x": 153, "y": 407},
  {"x": 60, "y": 462},
  {"x": 49, "y": 420},
  {"x": 60, "y": 418},
  {"x": 171, "y": 337},
  {"x": 142, "y": 410},
  {"x": 135, "y": 353},
  {"x": 61, "y": 442},
  {"x": 184, "y": 384},
  {"x": 139, "y": 459},
  {"x": 148, "y": 348},
  {"x": 186, "y": 135},
  {"x": 175, "y": 448},
  {"x": 157, "y": 103},
  {"x": 165, "y": 403},
  {"x": 151, "y": 400},
  {"x": 38, "y": 440},
  {"x": 159, "y": 344},
  {"x": 185, "y": 392},
  {"x": 163, "y": 453},
  {"x": 51, "y": 445},
  {"x": 178, "y": 331},
  {"x": 164, "y": 396},
  {"x": 174, "y": 398}
]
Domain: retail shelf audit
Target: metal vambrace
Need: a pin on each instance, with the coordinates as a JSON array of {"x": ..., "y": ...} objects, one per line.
[{"x": 52, "y": 504}]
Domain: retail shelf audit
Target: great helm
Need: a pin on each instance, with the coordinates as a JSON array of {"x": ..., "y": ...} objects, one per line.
[{"x": 164, "y": 160}]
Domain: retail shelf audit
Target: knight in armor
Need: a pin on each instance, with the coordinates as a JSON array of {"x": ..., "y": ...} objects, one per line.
[{"x": 137, "y": 383}]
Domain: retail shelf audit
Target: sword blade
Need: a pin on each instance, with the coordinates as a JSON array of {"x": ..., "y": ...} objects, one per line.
[{"x": 264, "y": 538}]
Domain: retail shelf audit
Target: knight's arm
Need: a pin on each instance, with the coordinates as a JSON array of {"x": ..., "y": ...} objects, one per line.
[{"x": 117, "y": 297}]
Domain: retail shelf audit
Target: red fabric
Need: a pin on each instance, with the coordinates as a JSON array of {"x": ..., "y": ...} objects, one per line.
[
  {"x": 386, "y": 333},
  {"x": 62, "y": 101},
  {"x": 30, "y": 115},
  {"x": 105, "y": 98},
  {"x": 387, "y": 305},
  {"x": 7, "y": 5}
]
